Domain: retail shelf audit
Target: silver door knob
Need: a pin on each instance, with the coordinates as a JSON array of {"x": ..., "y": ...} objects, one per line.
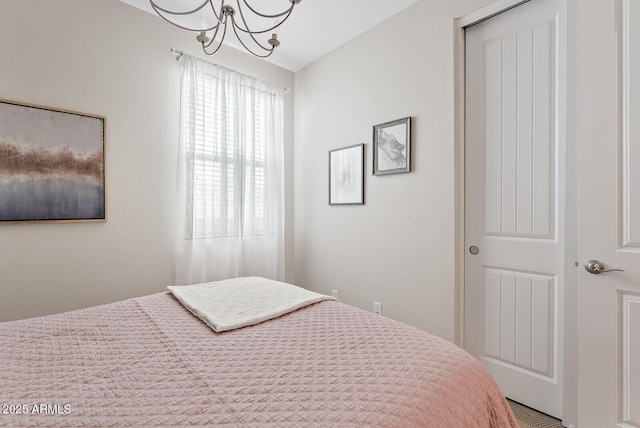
[{"x": 597, "y": 267}]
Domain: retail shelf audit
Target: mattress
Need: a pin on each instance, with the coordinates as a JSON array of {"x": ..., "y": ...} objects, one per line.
[{"x": 149, "y": 362}]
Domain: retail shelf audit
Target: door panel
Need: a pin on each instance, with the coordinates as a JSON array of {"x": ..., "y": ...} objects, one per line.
[
  {"x": 519, "y": 141},
  {"x": 630, "y": 405},
  {"x": 512, "y": 192},
  {"x": 631, "y": 125},
  {"x": 519, "y": 320}
]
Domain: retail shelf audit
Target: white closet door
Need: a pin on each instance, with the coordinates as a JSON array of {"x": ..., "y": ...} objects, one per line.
[{"x": 514, "y": 192}]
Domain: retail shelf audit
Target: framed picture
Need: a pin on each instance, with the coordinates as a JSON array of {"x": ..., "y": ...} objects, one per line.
[
  {"x": 346, "y": 175},
  {"x": 392, "y": 147},
  {"x": 52, "y": 164}
]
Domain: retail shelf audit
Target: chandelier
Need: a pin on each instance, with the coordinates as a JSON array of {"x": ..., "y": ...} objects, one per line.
[{"x": 207, "y": 19}]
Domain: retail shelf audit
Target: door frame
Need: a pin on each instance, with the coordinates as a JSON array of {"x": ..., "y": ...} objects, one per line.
[{"x": 569, "y": 310}]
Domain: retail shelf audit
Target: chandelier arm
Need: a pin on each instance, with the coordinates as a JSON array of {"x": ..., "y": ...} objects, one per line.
[
  {"x": 236, "y": 27},
  {"x": 204, "y": 49},
  {"x": 171, "y": 12},
  {"x": 213, "y": 37},
  {"x": 161, "y": 15},
  {"x": 288, "y": 11},
  {"x": 206, "y": 46},
  {"x": 254, "y": 39},
  {"x": 219, "y": 16},
  {"x": 248, "y": 31}
]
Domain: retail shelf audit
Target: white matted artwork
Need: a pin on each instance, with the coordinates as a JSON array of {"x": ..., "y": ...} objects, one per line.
[
  {"x": 392, "y": 147},
  {"x": 346, "y": 175}
]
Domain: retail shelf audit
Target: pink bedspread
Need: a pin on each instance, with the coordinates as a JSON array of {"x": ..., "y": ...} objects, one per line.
[{"x": 149, "y": 362}]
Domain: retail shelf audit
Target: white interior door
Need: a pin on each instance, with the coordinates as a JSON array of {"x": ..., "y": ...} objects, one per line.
[
  {"x": 608, "y": 135},
  {"x": 514, "y": 193}
]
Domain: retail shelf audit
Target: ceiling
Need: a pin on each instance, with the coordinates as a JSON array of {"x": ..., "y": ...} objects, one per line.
[{"x": 315, "y": 28}]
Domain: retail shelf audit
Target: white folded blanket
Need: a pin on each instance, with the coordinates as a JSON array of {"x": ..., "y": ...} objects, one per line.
[{"x": 240, "y": 302}]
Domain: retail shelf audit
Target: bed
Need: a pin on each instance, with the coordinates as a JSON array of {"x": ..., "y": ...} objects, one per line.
[{"x": 149, "y": 361}]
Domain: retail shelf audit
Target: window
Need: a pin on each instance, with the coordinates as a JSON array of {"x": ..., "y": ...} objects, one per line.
[{"x": 226, "y": 133}]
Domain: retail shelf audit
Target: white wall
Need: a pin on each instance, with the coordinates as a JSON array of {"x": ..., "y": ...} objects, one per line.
[
  {"x": 399, "y": 248},
  {"x": 106, "y": 58}
]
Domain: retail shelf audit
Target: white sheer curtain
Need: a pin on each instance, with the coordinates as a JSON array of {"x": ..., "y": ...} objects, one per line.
[{"x": 230, "y": 176}]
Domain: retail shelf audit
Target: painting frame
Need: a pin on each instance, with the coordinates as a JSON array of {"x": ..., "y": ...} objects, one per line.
[
  {"x": 392, "y": 147},
  {"x": 346, "y": 175},
  {"x": 52, "y": 164}
]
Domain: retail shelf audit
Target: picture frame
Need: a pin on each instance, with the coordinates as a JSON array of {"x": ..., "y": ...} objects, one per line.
[
  {"x": 392, "y": 147},
  {"x": 52, "y": 164},
  {"x": 346, "y": 175}
]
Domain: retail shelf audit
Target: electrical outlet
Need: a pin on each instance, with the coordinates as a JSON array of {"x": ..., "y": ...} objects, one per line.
[
  {"x": 334, "y": 293},
  {"x": 377, "y": 308}
]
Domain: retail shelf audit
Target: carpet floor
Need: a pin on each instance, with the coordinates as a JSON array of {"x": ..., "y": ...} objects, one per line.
[{"x": 529, "y": 418}]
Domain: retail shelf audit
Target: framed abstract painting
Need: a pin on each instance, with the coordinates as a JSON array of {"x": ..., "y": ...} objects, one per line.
[{"x": 52, "y": 164}]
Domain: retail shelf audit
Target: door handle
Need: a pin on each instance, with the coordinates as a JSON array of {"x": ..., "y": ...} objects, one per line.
[{"x": 596, "y": 267}]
